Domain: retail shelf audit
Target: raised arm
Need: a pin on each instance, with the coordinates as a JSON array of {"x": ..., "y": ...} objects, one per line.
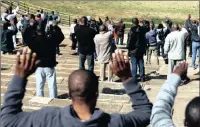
[
  {"x": 140, "y": 102},
  {"x": 11, "y": 112},
  {"x": 162, "y": 108}
]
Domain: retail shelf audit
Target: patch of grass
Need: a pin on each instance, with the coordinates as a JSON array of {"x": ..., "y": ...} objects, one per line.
[{"x": 155, "y": 10}]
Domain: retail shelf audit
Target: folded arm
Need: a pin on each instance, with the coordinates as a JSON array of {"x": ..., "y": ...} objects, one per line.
[{"x": 161, "y": 112}]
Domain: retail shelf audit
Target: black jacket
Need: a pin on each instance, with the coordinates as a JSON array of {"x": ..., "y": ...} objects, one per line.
[
  {"x": 44, "y": 47},
  {"x": 85, "y": 36},
  {"x": 136, "y": 42},
  {"x": 7, "y": 40}
]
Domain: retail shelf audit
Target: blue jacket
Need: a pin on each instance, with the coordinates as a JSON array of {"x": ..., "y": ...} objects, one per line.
[
  {"x": 12, "y": 114},
  {"x": 151, "y": 37}
]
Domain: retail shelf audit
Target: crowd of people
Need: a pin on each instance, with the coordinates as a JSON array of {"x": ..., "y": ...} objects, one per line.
[
  {"x": 41, "y": 33},
  {"x": 97, "y": 40}
]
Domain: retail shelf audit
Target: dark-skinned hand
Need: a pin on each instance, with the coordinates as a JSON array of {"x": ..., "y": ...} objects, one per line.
[
  {"x": 120, "y": 65},
  {"x": 26, "y": 63}
]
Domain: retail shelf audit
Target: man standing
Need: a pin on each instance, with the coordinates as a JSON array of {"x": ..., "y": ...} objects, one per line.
[
  {"x": 175, "y": 47},
  {"x": 83, "y": 89},
  {"x": 195, "y": 43},
  {"x": 72, "y": 36},
  {"x": 103, "y": 44},
  {"x": 189, "y": 39},
  {"x": 45, "y": 47},
  {"x": 152, "y": 45},
  {"x": 6, "y": 38},
  {"x": 120, "y": 28},
  {"x": 136, "y": 44},
  {"x": 86, "y": 47}
]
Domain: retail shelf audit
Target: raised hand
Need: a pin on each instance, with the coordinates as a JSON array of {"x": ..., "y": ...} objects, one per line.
[
  {"x": 26, "y": 63},
  {"x": 120, "y": 65},
  {"x": 181, "y": 69}
]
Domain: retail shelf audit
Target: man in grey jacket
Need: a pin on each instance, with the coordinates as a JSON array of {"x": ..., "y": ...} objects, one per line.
[
  {"x": 161, "y": 114},
  {"x": 103, "y": 44},
  {"x": 83, "y": 89}
]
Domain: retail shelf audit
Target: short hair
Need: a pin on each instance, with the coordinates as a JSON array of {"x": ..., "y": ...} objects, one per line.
[
  {"x": 102, "y": 28},
  {"x": 160, "y": 26},
  {"x": 50, "y": 18},
  {"x": 38, "y": 10},
  {"x": 83, "y": 84},
  {"x": 192, "y": 113},
  {"x": 84, "y": 20},
  {"x": 52, "y": 12},
  {"x": 176, "y": 27},
  {"x": 32, "y": 16},
  {"x": 75, "y": 21},
  {"x": 41, "y": 11},
  {"x": 38, "y": 15},
  {"x": 135, "y": 21}
]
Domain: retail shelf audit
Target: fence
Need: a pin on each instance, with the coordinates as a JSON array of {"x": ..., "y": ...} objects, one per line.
[{"x": 29, "y": 8}]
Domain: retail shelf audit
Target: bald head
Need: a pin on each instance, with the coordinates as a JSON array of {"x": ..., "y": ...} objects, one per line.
[
  {"x": 102, "y": 28},
  {"x": 83, "y": 84}
]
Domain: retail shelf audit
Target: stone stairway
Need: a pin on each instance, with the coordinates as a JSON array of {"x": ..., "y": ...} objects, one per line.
[{"x": 112, "y": 97}]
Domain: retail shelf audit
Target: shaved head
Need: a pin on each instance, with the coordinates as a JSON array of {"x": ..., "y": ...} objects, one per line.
[
  {"x": 102, "y": 28},
  {"x": 83, "y": 84}
]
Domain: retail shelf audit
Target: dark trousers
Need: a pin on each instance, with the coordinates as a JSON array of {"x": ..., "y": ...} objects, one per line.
[
  {"x": 160, "y": 48},
  {"x": 90, "y": 60},
  {"x": 74, "y": 42},
  {"x": 121, "y": 38}
]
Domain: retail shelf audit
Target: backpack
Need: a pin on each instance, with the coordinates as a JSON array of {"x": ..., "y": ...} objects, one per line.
[{"x": 161, "y": 35}]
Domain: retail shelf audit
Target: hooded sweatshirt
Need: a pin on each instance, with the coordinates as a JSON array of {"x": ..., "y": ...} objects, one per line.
[{"x": 12, "y": 114}]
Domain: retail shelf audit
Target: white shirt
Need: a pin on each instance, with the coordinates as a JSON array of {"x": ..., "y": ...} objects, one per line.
[
  {"x": 71, "y": 29},
  {"x": 175, "y": 44}
]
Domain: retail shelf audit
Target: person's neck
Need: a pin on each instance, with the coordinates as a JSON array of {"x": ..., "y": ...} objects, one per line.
[{"x": 83, "y": 110}]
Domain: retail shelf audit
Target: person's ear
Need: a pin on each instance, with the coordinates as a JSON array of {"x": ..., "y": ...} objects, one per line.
[{"x": 185, "y": 123}]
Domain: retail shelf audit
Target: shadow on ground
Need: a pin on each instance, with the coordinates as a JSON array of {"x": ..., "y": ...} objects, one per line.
[
  {"x": 113, "y": 91},
  {"x": 64, "y": 96},
  {"x": 62, "y": 45}
]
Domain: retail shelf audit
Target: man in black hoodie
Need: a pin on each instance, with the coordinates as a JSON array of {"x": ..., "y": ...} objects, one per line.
[
  {"x": 86, "y": 47},
  {"x": 83, "y": 88},
  {"x": 45, "y": 47},
  {"x": 136, "y": 45}
]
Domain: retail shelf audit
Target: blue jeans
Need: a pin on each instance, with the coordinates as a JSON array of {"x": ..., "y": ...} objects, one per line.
[
  {"x": 195, "y": 48},
  {"x": 137, "y": 62},
  {"x": 43, "y": 74},
  {"x": 90, "y": 60}
]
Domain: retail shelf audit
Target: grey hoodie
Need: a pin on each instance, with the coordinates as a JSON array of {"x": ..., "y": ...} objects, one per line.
[
  {"x": 162, "y": 108},
  {"x": 13, "y": 116}
]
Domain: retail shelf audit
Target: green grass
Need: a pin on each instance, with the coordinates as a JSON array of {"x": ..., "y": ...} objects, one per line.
[{"x": 155, "y": 10}]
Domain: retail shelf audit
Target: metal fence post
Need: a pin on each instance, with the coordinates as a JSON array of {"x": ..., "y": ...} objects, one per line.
[{"x": 69, "y": 21}]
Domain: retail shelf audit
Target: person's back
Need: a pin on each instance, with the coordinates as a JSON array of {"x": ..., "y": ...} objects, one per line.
[
  {"x": 85, "y": 36},
  {"x": 136, "y": 41},
  {"x": 175, "y": 44},
  {"x": 83, "y": 89},
  {"x": 38, "y": 44},
  {"x": 103, "y": 43}
]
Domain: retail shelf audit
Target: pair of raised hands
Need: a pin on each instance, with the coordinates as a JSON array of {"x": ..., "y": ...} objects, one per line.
[{"x": 26, "y": 65}]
